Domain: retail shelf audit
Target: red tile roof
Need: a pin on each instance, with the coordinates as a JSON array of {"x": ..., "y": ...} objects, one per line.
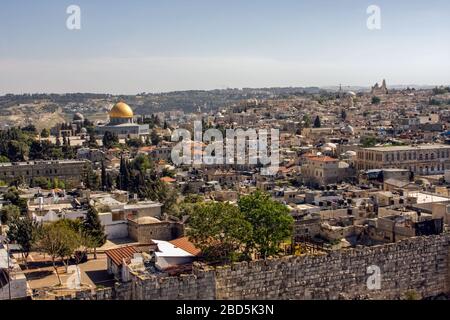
[
  {"x": 186, "y": 245},
  {"x": 117, "y": 255},
  {"x": 147, "y": 148},
  {"x": 168, "y": 179},
  {"x": 323, "y": 159}
]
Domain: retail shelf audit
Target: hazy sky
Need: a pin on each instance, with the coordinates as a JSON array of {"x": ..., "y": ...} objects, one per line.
[{"x": 161, "y": 45}]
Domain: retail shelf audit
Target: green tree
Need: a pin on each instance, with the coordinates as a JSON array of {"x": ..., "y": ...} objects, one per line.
[
  {"x": 13, "y": 196},
  {"x": 45, "y": 133},
  {"x": 123, "y": 179},
  {"x": 9, "y": 213},
  {"x": 92, "y": 143},
  {"x": 219, "y": 230},
  {"x": 56, "y": 153},
  {"x": 188, "y": 205},
  {"x": 37, "y": 150},
  {"x": 17, "y": 150},
  {"x": 103, "y": 177},
  {"x": 434, "y": 102},
  {"x": 40, "y": 182},
  {"x": 85, "y": 241},
  {"x": 93, "y": 229},
  {"x": 110, "y": 140},
  {"x": 30, "y": 129},
  {"x": 106, "y": 179},
  {"x": 4, "y": 159},
  {"x": 14, "y": 143},
  {"x": 154, "y": 137},
  {"x": 142, "y": 163},
  {"x": 134, "y": 143},
  {"x": 58, "y": 240},
  {"x": 368, "y": 142},
  {"x": 317, "y": 122},
  {"x": 23, "y": 231},
  {"x": 168, "y": 196},
  {"x": 376, "y": 100},
  {"x": 91, "y": 179},
  {"x": 306, "y": 121},
  {"x": 270, "y": 220}
]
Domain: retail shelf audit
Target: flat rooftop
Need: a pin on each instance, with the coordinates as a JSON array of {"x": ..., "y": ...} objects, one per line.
[
  {"x": 410, "y": 148},
  {"x": 49, "y": 162},
  {"x": 167, "y": 249},
  {"x": 305, "y": 207},
  {"x": 142, "y": 205},
  {"x": 427, "y": 198}
]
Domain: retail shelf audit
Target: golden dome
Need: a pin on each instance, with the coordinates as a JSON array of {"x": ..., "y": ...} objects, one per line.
[{"x": 121, "y": 110}]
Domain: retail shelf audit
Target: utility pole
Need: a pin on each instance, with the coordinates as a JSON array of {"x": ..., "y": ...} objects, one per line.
[
  {"x": 8, "y": 267},
  {"x": 9, "y": 270}
]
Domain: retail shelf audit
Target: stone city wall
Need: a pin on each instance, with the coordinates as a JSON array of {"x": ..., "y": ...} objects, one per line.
[{"x": 418, "y": 265}]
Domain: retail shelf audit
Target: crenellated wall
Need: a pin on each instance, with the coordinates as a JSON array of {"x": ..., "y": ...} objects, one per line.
[{"x": 419, "y": 265}]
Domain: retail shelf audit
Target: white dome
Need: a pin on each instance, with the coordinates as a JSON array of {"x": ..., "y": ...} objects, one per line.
[
  {"x": 330, "y": 145},
  {"x": 147, "y": 220},
  {"x": 78, "y": 117},
  {"x": 348, "y": 129}
]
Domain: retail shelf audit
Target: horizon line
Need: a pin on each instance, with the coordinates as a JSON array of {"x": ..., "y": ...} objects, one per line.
[{"x": 324, "y": 87}]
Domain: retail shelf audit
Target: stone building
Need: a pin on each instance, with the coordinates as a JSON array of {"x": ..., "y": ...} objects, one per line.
[
  {"x": 319, "y": 170},
  {"x": 427, "y": 159},
  {"x": 13, "y": 283},
  {"x": 377, "y": 89},
  {"x": 122, "y": 122},
  {"x": 409, "y": 224},
  {"x": 65, "y": 170},
  {"x": 307, "y": 221},
  {"x": 146, "y": 229}
]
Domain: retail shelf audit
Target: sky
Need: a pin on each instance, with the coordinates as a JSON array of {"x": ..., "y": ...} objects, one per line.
[{"x": 128, "y": 47}]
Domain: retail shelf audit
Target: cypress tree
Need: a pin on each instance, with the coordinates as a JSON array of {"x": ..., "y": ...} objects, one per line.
[
  {"x": 93, "y": 229},
  {"x": 104, "y": 186}
]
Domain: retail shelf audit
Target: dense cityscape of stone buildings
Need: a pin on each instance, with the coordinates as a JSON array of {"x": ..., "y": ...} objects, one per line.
[{"x": 354, "y": 173}]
